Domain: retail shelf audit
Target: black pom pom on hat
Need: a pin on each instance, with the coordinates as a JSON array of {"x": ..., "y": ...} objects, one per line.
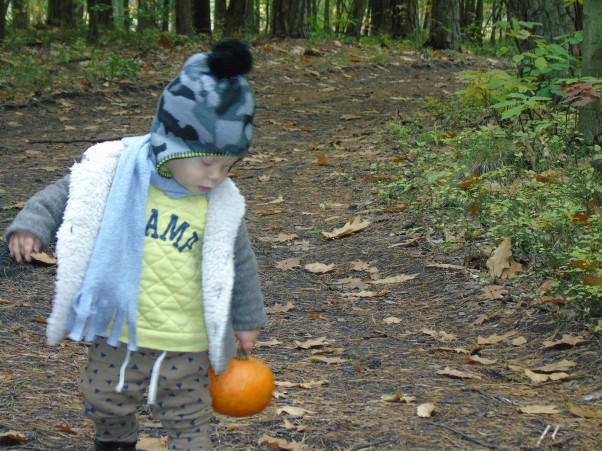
[{"x": 230, "y": 58}]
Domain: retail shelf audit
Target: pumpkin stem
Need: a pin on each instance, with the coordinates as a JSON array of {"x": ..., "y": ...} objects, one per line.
[{"x": 240, "y": 353}]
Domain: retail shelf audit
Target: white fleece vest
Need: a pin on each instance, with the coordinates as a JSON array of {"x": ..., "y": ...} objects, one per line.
[{"x": 89, "y": 187}]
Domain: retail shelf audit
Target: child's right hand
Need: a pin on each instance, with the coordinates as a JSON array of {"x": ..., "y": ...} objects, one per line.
[{"x": 22, "y": 244}]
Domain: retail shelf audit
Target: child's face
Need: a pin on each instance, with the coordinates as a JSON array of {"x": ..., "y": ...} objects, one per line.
[{"x": 200, "y": 174}]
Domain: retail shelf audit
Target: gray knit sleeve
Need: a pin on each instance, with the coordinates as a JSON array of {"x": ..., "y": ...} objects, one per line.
[
  {"x": 248, "y": 311},
  {"x": 41, "y": 215}
]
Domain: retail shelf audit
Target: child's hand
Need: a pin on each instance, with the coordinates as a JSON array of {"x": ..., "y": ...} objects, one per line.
[
  {"x": 22, "y": 245},
  {"x": 247, "y": 339}
]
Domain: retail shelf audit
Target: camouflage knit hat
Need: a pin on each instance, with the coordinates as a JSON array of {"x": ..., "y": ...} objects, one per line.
[{"x": 207, "y": 109}]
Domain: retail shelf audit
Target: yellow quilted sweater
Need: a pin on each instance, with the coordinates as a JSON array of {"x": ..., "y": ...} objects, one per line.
[{"x": 170, "y": 301}]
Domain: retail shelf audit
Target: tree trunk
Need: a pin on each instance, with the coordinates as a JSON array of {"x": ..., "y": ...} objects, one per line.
[
  {"x": 358, "y": 10},
  {"x": 289, "y": 18},
  {"x": 184, "y": 18},
  {"x": 20, "y": 14},
  {"x": 378, "y": 12},
  {"x": 327, "y": 26},
  {"x": 219, "y": 15},
  {"x": 3, "y": 6},
  {"x": 202, "y": 16},
  {"x": 165, "y": 15},
  {"x": 445, "y": 25},
  {"x": 477, "y": 25},
  {"x": 60, "y": 13},
  {"x": 590, "y": 116},
  {"x": 127, "y": 19},
  {"x": 405, "y": 22},
  {"x": 236, "y": 17},
  {"x": 251, "y": 25},
  {"x": 145, "y": 15},
  {"x": 100, "y": 13}
]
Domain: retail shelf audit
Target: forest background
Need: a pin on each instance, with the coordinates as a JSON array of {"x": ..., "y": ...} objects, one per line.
[
  {"x": 508, "y": 170},
  {"x": 463, "y": 137}
]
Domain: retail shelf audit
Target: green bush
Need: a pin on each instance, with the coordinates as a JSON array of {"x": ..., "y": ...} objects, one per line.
[{"x": 525, "y": 178}]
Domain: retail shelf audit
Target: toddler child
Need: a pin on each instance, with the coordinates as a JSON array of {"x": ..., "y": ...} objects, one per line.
[{"x": 155, "y": 267}]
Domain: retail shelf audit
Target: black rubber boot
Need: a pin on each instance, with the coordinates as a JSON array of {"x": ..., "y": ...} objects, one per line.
[{"x": 113, "y": 446}]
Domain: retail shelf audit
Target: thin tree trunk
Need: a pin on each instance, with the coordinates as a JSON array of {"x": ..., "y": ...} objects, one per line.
[
  {"x": 60, "y": 13},
  {"x": 202, "y": 16},
  {"x": 590, "y": 116},
  {"x": 184, "y": 18},
  {"x": 3, "y": 6},
  {"x": 20, "y": 14},
  {"x": 289, "y": 18},
  {"x": 145, "y": 17},
  {"x": 445, "y": 25},
  {"x": 219, "y": 17}
]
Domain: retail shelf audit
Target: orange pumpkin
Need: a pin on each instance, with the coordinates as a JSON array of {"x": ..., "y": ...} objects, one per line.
[{"x": 244, "y": 388}]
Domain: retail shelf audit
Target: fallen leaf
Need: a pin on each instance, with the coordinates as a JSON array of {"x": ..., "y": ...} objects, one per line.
[
  {"x": 281, "y": 238},
  {"x": 392, "y": 320},
  {"x": 492, "y": 292},
  {"x": 425, "y": 410},
  {"x": 322, "y": 159},
  {"x": 306, "y": 385},
  {"x": 66, "y": 428},
  {"x": 500, "y": 257},
  {"x": 566, "y": 341},
  {"x": 279, "y": 308},
  {"x": 352, "y": 282},
  {"x": 327, "y": 360},
  {"x": 563, "y": 365},
  {"x": 266, "y": 344},
  {"x": 519, "y": 341},
  {"x": 278, "y": 200},
  {"x": 398, "y": 397},
  {"x": 12, "y": 438},
  {"x": 280, "y": 443},
  {"x": 512, "y": 270},
  {"x": 553, "y": 300},
  {"x": 289, "y": 264},
  {"x": 585, "y": 412},
  {"x": 319, "y": 268},
  {"x": 481, "y": 360},
  {"x": 350, "y": 227},
  {"x": 316, "y": 316},
  {"x": 288, "y": 425},
  {"x": 539, "y": 409},
  {"x": 42, "y": 257},
  {"x": 494, "y": 339},
  {"x": 311, "y": 343},
  {"x": 439, "y": 335},
  {"x": 538, "y": 378},
  {"x": 359, "y": 265},
  {"x": 293, "y": 411},
  {"x": 395, "y": 279},
  {"x": 151, "y": 444},
  {"x": 458, "y": 374}
]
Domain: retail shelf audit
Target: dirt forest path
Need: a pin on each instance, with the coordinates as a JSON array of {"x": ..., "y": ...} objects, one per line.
[{"x": 355, "y": 350}]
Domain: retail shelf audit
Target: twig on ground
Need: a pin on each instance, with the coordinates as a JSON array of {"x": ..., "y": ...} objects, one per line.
[{"x": 542, "y": 436}]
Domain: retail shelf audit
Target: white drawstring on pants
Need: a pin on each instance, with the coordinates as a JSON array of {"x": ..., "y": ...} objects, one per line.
[
  {"x": 119, "y": 387},
  {"x": 154, "y": 380}
]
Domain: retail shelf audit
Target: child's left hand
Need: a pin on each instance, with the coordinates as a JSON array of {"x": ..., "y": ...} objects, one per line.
[{"x": 247, "y": 339}]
